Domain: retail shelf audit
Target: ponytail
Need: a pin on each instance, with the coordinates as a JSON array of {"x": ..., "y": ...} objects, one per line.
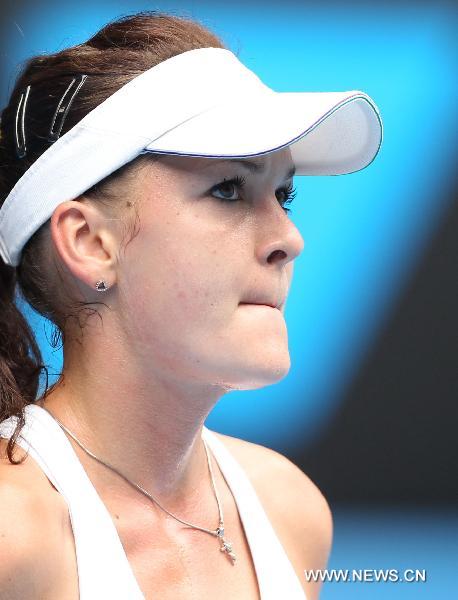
[{"x": 20, "y": 357}]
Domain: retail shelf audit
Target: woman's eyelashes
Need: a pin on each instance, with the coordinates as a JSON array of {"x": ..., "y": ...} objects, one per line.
[{"x": 228, "y": 187}]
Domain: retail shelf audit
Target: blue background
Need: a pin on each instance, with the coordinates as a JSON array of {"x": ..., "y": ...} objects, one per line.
[{"x": 364, "y": 233}]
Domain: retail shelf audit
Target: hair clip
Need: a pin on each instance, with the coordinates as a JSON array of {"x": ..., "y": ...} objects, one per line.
[
  {"x": 63, "y": 107},
  {"x": 21, "y": 149}
]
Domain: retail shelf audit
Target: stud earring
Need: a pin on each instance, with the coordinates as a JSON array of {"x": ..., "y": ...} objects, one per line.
[{"x": 101, "y": 286}]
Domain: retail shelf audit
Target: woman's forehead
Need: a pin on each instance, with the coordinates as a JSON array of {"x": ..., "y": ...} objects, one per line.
[{"x": 274, "y": 161}]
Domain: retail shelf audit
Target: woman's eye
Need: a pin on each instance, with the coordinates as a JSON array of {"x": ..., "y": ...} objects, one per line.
[
  {"x": 228, "y": 188},
  {"x": 287, "y": 195}
]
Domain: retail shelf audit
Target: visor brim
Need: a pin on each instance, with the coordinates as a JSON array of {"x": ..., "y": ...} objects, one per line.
[{"x": 329, "y": 133}]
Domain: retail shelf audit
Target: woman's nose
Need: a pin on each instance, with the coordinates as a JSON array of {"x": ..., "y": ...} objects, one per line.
[{"x": 279, "y": 239}]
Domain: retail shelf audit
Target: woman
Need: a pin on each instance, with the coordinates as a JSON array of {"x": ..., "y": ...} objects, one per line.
[{"x": 145, "y": 180}]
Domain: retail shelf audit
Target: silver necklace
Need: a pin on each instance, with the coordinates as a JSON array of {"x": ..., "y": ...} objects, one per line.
[{"x": 225, "y": 547}]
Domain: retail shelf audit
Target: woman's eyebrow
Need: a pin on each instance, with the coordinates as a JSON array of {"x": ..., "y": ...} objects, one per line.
[{"x": 249, "y": 165}]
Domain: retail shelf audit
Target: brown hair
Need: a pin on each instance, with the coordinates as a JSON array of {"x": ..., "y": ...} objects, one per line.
[{"x": 116, "y": 54}]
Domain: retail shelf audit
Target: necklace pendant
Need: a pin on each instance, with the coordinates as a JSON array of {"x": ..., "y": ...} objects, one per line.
[{"x": 227, "y": 547}]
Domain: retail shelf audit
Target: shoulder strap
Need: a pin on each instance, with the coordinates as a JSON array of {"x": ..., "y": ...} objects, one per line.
[
  {"x": 103, "y": 568},
  {"x": 276, "y": 575}
]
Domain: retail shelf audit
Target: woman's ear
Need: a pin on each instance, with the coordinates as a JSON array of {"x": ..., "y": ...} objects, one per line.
[{"x": 85, "y": 241}]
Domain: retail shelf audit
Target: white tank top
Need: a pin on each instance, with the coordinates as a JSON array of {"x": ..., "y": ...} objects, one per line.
[{"x": 103, "y": 568}]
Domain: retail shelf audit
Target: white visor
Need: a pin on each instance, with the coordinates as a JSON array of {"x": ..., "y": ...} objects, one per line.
[{"x": 202, "y": 102}]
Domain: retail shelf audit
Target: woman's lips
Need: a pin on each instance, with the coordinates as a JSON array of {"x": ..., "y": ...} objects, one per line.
[{"x": 261, "y": 304}]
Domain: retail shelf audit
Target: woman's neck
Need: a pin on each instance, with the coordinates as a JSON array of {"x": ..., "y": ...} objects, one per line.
[{"x": 149, "y": 433}]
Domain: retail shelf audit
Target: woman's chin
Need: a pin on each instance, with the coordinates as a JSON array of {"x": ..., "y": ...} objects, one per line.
[{"x": 251, "y": 375}]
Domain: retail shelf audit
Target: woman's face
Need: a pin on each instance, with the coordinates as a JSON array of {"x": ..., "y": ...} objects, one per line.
[{"x": 194, "y": 282}]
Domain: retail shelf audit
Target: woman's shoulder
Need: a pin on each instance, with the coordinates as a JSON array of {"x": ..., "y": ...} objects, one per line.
[
  {"x": 270, "y": 470},
  {"x": 296, "y": 507},
  {"x": 30, "y": 533}
]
